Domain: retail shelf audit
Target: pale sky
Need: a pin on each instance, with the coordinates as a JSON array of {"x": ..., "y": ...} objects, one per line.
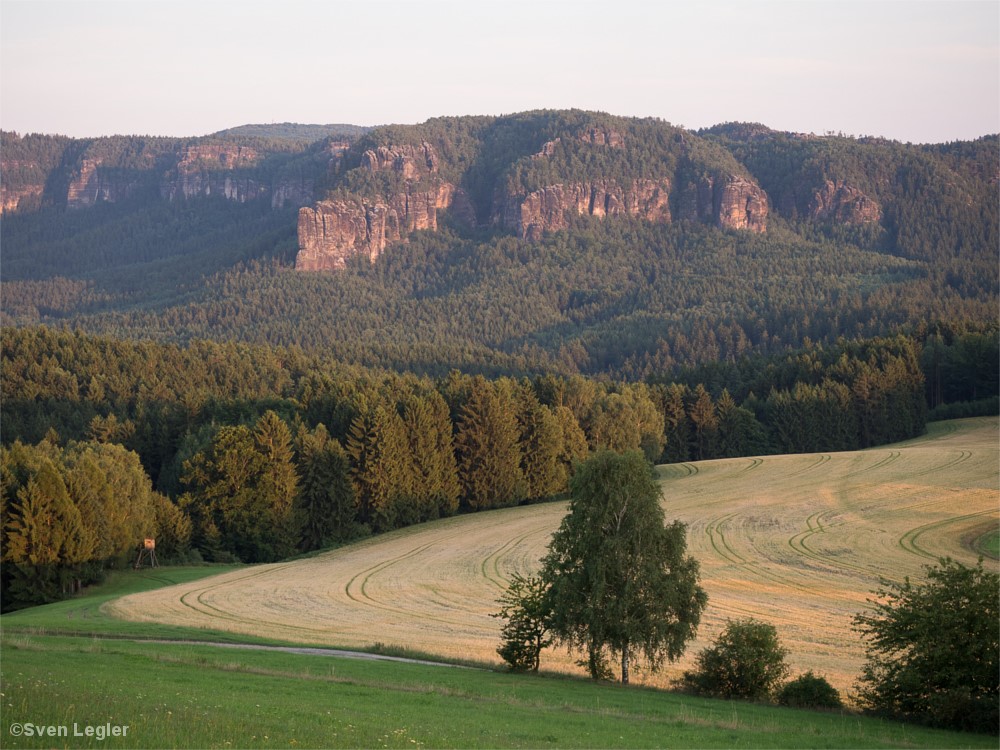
[{"x": 918, "y": 71}]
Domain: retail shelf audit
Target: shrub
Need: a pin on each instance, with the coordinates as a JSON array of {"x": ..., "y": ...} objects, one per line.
[
  {"x": 809, "y": 691},
  {"x": 525, "y": 632},
  {"x": 746, "y": 661},
  {"x": 933, "y": 649}
]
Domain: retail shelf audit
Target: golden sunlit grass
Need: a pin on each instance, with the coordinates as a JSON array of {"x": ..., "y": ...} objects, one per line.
[{"x": 798, "y": 541}]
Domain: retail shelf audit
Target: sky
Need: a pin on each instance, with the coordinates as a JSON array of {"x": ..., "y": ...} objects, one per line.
[{"x": 918, "y": 71}]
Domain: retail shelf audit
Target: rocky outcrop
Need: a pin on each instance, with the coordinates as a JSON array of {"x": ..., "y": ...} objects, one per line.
[
  {"x": 843, "y": 204},
  {"x": 741, "y": 205},
  {"x": 547, "y": 209},
  {"x": 92, "y": 184},
  {"x": 729, "y": 202},
  {"x": 410, "y": 162},
  {"x": 25, "y": 197},
  {"x": 212, "y": 169},
  {"x": 602, "y": 137},
  {"x": 292, "y": 192},
  {"x": 834, "y": 201},
  {"x": 332, "y": 232}
]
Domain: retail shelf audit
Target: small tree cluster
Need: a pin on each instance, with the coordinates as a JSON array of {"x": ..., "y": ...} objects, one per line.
[
  {"x": 747, "y": 661},
  {"x": 809, "y": 691}
]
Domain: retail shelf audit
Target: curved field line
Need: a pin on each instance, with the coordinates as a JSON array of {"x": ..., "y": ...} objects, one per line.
[
  {"x": 823, "y": 458},
  {"x": 909, "y": 540},
  {"x": 725, "y": 550},
  {"x": 493, "y": 560},
  {"x": 963, "y": 456},
  {"x": 891, "y": 458},
  {"x": 755, "y": 463}
]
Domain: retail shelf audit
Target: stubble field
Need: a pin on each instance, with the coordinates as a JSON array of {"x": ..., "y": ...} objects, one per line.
[{"x": 798, "y": 541}]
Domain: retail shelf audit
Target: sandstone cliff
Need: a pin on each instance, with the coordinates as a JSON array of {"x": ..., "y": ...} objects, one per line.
[
  {"x": 843, "y": 204},
  {"x": 214, "y": 169},
  {"x": 80, "y": 174},
  {"x": 730, "y": 202},
  {"x": 333, "y": 231},
  {"x": 20, "y": 198},
  {"x": 547, "y": 209}
]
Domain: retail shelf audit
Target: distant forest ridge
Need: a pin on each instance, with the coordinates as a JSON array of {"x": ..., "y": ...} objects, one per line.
[{"x": 547, "y": 241}]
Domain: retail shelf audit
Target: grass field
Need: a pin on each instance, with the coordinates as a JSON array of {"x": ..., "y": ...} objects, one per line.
[
  {"x": 799, "y": 541},
  {"x": 196, "y": 696}
]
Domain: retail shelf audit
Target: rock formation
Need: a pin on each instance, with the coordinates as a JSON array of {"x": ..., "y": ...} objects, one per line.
[
  {"x": 92, "y": 184},
  {"x": 843, "y": 204},
  {"x": 730, "y": 202},
  {"x": 546, "y": 209},
  {"x": 208, "y": 169},
  {"x": 333, "y": 231}
]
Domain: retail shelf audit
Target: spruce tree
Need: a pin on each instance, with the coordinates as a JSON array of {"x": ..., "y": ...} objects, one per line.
[
  {"x": 431, "y": 445},
  {"x": 489, "y": 452},
  {"x": 325, "y": 503}
]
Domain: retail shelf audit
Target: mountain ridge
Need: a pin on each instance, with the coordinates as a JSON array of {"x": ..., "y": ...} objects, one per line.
[{"x": 566, "y": 240}]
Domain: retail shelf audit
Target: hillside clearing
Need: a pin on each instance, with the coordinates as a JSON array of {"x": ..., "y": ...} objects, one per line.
[{"x": 799, "y": 541}]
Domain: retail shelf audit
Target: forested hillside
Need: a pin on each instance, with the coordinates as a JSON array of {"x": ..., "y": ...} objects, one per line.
[{"x": 568, "y": 242}]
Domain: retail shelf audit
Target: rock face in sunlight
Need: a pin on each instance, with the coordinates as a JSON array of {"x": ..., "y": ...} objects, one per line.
[
  {"x": 402, "y": 189},
  {"x": 333, "y": 231},
  {"x": 844, "y": 204},
  {"x": 549, "y": 208},
  {"x": 728, "y": 202}
]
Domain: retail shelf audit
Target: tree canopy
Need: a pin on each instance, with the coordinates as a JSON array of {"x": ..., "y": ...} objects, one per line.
[
  {"x": 933, "y": 648},
  {"x": 620, "y": 582}
]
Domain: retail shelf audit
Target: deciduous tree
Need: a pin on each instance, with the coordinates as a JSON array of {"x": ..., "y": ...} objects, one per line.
[
  {"x": 933, "y": 648},
  {"x": 619, "y": 578}
]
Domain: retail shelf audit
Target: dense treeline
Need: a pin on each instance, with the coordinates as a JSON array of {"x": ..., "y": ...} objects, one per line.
[
  {"x": 256, "y": 453},
  {"x": 69, "y": 512}
]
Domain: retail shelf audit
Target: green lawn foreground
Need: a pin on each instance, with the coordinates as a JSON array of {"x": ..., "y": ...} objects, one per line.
[{"x": 200, "y": 696}]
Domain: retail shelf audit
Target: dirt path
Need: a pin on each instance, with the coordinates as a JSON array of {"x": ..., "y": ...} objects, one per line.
[{"x": 305, "y": 650}]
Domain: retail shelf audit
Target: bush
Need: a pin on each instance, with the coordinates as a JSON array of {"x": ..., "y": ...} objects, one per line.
[
  {"x": 746, "y": 661},
  {"x": 809, "y": 691},
  {"x": 525, "y": 632},
  {"x": 933, "y": 649}
]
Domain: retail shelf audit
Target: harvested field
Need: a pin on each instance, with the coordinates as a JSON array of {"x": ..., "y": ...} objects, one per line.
[{"x": 798, "y": 541}]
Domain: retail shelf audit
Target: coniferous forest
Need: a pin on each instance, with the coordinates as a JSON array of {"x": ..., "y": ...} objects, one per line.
[{"x": 167, "y": 371}]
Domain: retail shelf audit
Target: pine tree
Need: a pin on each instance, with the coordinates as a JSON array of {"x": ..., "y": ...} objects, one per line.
[
  {"x": 701, "y": 412},
  {"x": 541, "y": 447},
  {"x": 277, "y": 485},
  {"x": 382, "y": 470},
  {"x": 677, "y": 430}
]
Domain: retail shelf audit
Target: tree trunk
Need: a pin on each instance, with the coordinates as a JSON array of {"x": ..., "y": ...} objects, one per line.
[{"x": 625, "y": 666}]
